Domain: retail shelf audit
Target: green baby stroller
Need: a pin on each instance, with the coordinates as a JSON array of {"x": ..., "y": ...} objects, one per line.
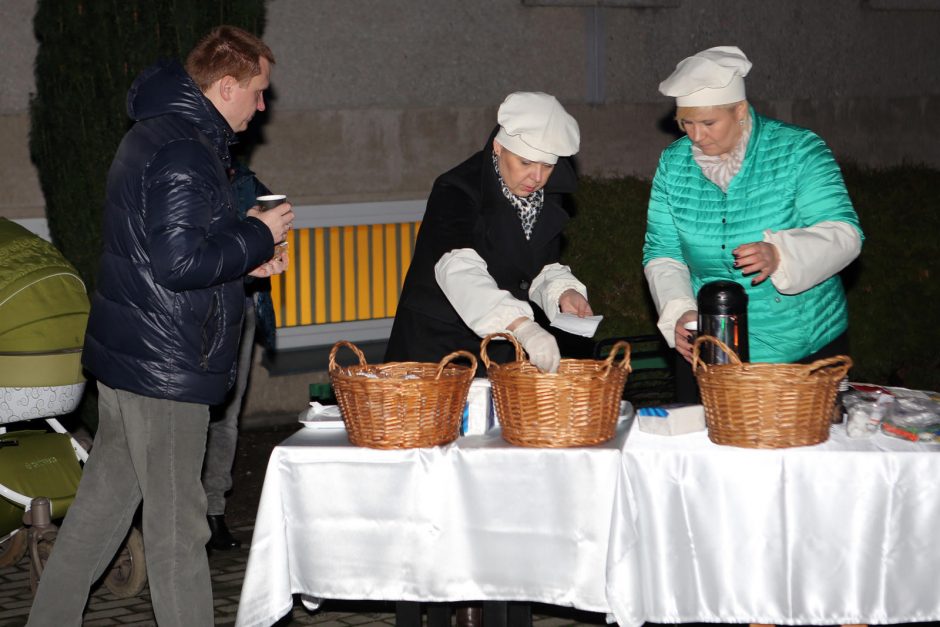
[{"x": 43, "y": 313}]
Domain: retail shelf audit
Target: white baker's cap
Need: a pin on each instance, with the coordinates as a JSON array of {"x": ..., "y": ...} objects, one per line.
[
  {"x": 710, "y": 77},
  {"x": 536, "y": 127}
]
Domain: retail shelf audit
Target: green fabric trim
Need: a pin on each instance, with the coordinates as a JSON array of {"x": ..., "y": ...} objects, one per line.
[{"x": 41, "y": 370}]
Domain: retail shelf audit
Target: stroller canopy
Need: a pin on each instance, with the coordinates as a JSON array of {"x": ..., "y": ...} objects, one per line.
[{"x": 43, "y": 304}]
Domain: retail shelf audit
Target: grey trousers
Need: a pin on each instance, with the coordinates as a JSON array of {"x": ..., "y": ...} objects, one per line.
[
  {"x": 148, "y": 450},
  {"x": 223, "y": 430}
]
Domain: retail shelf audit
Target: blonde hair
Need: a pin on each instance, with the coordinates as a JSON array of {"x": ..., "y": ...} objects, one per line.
[{"x": 682, "y": 112}]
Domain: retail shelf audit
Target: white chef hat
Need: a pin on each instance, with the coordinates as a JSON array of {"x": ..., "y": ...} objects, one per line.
[
  {"x": 536, "y": 127},
  {"x": 710, "y": 77}
]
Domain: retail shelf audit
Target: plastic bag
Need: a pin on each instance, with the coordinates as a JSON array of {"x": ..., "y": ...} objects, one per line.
[
  {"x": 913, "y": 417},
  {"x": 866, "y": 407}
]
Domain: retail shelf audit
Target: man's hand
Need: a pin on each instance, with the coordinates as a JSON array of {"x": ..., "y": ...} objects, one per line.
[
  {"x": 760, "y": 257},
  {"x": 273, "y": 266},
  {"x": 538, "y": 343},
  {"x": 280, "y": 220},
  {"x": 683, "y": 344},
  {"x": 571, "y": 301}
]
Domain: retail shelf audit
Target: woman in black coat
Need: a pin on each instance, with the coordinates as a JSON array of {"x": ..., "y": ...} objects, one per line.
[{"x": 490, "y": 243}]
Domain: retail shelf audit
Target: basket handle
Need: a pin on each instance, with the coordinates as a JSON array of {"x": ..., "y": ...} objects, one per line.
[
  {"x": 452, "y": 356},
  {"x": 350, "y": 345},
  {"x": 520, "y": 354},
  {"x": 839, "y": 364},
  {"x": 624, "y": 363},
  {"x": 696, "y": 348}
]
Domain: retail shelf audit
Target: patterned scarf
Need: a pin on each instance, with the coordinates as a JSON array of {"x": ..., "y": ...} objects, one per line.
[
  {"x": 527, "y": 208},
  {"x": 721, "y": 169}
]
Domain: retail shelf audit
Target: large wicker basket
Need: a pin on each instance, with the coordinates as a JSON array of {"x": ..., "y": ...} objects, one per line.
[
  {"x": 577, "y": 406},
  {"x": 401, "y": 404},
  {"x": 761, "y": 405}
]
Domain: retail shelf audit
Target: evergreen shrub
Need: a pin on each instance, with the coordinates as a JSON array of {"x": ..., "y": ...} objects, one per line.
[
  {"x": 604, "y": 247},
  {"x": 894, "y": 287}
]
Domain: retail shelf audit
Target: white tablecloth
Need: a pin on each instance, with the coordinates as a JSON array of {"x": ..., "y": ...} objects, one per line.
[
  {"x": 475, "y": 520},
  {"x": 844, "y": 532}
]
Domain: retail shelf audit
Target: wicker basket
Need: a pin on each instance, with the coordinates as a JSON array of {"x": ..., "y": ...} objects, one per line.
[
  {"x": 760, "y": 405},
  {"x": 401, "y": 404},
  {"x": 577, "y": 406}
]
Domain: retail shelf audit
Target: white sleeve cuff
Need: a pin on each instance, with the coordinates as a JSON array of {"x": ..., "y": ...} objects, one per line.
[
  {"x": 671, "y": 288},
  {"x": 670, "y": 316},
  {"x": 550, "y": 284},
  {"x": 465, "y": 281},
  {"x": 811, "y": 255}
]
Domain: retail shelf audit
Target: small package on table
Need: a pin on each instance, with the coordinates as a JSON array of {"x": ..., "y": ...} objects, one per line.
[
  {"x": 672, "y": 419},
  {"x": 479, "y": 416}
]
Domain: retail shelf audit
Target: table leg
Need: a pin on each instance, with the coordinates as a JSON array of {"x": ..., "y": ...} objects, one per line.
[
  {"x": 519, "y": 614},
  {"x": 407, "y": 614},
  {"x": 438, "y": 614},
  {"x": 494, "y": 613}
]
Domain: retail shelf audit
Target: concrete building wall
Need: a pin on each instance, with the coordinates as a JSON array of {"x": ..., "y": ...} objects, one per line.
[{"x": 372, "y": 99}]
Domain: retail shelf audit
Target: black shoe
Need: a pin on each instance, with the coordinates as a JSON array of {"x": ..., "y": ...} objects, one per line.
[{"x": 222, "y": 539}]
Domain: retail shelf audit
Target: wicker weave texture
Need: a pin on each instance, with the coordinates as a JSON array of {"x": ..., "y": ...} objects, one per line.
[
  {"x": 760, "y": 405},
  {"x": 577, "y": 406},
  {"x": 401, "y": 404}
]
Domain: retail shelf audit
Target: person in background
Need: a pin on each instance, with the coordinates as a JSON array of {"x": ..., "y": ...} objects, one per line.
[
  {"x": 164, "y": 327},
  {"x": 749, "y": 199},
  {"x": 490, "y": 242},
  {"x": 222, "y": 438}
]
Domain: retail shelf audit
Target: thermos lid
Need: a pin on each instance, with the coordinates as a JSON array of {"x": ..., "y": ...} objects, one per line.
[{"x": 722, "y": 298}]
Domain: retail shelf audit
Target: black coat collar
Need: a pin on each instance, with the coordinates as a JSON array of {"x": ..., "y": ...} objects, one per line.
[{"x": 552, "y": 218}]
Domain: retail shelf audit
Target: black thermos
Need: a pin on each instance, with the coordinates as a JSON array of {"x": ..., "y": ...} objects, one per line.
[{"x": 722, "y": 313}]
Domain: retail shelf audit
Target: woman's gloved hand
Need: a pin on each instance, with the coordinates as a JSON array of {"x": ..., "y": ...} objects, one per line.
[{"x": 539, "y": 344}]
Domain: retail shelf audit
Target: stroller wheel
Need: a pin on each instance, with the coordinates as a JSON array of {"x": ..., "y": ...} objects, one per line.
[
  {"x": 127, "y": 575},
  {"x": 13, "y": 549},
  {"x": 43, "y": 550}
]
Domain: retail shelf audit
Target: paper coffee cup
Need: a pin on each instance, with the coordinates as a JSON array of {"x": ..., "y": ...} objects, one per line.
[{"x": 270, "y": 201}]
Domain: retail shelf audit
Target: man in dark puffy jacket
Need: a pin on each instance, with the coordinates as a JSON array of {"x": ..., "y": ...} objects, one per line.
[{"x": 164, "y": 327}]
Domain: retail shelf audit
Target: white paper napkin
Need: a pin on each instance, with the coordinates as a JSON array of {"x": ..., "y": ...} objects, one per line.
[
  {"x": 571, "y": 323},
  {"x": 322, "y": 417}
]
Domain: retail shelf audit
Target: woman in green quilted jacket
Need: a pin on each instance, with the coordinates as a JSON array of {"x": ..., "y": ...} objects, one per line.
[{"x": 749, "y": 199}]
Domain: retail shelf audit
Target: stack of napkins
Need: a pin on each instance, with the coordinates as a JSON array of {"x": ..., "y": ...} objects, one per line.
[
  {"x": 673, "y": 419},
  {"x": 322, "y": 417}
]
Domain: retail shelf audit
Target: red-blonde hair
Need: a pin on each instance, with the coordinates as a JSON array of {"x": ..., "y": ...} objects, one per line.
[{"x": 226, "y": 51}]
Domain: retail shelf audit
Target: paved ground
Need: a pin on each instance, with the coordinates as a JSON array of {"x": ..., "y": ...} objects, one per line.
[{"x": 228, "y": 568}]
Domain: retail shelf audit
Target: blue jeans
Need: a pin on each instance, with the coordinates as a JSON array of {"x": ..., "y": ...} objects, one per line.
[{"x": 149, "y": 450}]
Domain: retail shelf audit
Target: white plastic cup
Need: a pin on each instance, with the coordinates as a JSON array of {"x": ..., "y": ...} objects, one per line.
[{"x": 270, "y": 201}]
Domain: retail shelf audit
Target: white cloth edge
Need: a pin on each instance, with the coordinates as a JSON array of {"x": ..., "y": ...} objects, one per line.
[
  {"x": 670, "y": 286},
  {"x": 550, "y": 284},
  {"x": 810, "y": 255}
]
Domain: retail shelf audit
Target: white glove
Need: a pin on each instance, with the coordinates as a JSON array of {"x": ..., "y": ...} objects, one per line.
[{"x": 539, "y": 344}]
